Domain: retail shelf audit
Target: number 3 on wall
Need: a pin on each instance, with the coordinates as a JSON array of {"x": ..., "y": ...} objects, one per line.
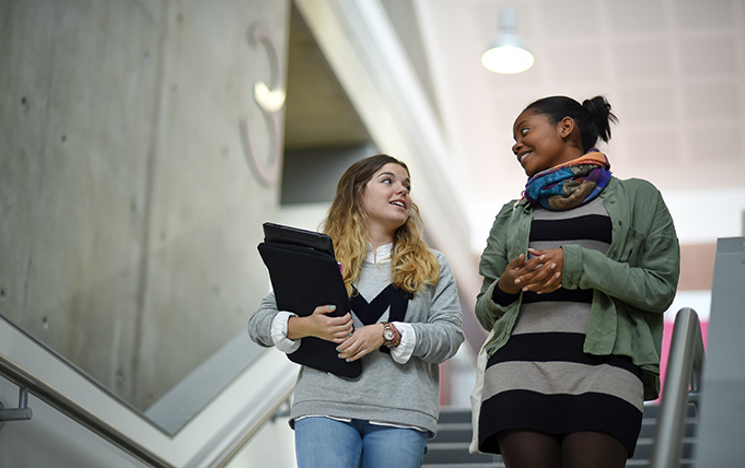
[{"x": 270, "y": 100}]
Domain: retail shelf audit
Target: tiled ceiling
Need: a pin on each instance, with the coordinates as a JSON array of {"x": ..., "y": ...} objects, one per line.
[{"x": 674, "y": 71}]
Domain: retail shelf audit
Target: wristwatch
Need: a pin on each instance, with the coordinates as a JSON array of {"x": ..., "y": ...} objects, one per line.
[{"x": 391, "y": 336}]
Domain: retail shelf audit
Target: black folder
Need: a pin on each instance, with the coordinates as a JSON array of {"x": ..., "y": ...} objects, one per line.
[{"x": 304, "y": 275}]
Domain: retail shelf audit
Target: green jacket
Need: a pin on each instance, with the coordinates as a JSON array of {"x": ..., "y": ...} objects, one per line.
[{"x": 634, "y": 282}]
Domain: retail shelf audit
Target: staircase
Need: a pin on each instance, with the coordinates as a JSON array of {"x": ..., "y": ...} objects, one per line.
[{"x": 449, "y": 449}]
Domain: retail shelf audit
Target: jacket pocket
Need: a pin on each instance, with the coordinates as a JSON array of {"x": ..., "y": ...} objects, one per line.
[{"x": 633, "y": 248}]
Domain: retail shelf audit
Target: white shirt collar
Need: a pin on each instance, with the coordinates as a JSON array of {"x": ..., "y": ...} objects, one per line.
[{"x": 382, "y": 254}]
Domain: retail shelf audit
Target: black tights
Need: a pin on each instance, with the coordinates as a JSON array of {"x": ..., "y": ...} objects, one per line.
[{"x": 530, "y": 449}]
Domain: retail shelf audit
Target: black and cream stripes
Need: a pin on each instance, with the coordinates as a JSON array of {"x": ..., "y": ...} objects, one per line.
[{"x": 541, "y": 379}]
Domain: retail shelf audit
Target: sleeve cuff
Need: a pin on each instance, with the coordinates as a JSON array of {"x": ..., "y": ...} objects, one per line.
[
  {"x": 502, "y": 298},
  {"x": 279, "y": 333},
  {"x": 572, "y": 271},
  {"x": 402, "y": 353}
]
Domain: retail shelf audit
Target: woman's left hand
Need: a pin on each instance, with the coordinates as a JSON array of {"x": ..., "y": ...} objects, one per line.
[
  {"x": 361, "y": 342},
  {"x": 548, "y": 277}
]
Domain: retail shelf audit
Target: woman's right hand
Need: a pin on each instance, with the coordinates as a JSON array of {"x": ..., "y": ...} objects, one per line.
[
  {"x": 321, "y": 325},
  {"x": 548, "y": 275}
]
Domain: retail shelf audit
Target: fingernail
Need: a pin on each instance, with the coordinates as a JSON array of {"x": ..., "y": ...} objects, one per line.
[
  {"x": 518, "y": 281},
  {"x": 348, "y": 360},
  {"x": 542, "y": 257},
  {"x": 337, "y": 350},
  {"x": 340, "y": 356},
  {"x": 332, "y": 307},
  {"x": 553, "y": 265}
]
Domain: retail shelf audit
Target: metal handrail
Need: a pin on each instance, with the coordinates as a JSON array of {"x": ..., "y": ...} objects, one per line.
[
  {"x": 83, "y": 416},
  {"x": 683, "y": 370},
  {"x": 78, "y": 413},
  {"x": 44, "y": 391}
]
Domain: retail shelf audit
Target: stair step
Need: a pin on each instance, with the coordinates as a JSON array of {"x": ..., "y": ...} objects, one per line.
[
  {"x": 650, "y": 425},
  {"x": 466, "y": 465},
  {"x": 455, "y": 415},
  {"x": 449, "y": 449},
  {"x": 645, "y": 445},
  {"x": 684, "y": 463},
  {"x": 454, "y": 432}
]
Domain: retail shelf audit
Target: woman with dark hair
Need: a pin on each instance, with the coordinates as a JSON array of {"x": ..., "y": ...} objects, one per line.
[
  {"x": 406, "y": 319},
  {"x": 576, "y": 277}
]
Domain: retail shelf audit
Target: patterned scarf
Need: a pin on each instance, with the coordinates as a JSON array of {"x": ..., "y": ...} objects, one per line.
[{"x": 571, "y": 184}]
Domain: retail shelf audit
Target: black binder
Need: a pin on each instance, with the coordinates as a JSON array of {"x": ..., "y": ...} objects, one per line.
[{"x": 304, "y": 274}]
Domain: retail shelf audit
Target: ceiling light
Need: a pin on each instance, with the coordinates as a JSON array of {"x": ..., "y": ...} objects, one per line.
[{"x": 506, "y": 54}]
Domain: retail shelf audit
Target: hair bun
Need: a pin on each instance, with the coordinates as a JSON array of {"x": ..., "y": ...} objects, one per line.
[{"x": 600, "y": 113}]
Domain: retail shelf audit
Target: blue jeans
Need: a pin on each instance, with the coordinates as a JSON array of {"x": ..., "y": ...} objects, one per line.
[{"x": 326, "y": 443}]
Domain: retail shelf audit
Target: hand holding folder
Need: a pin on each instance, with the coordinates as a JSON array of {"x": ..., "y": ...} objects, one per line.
[{"x": 304, "y": 275}]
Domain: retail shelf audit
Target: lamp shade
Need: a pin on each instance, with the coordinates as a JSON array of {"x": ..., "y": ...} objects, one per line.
[{"x": 506, "y": 53}]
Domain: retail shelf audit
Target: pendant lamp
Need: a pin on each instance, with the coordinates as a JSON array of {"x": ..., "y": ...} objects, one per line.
[{"x": 506, "y": 53}]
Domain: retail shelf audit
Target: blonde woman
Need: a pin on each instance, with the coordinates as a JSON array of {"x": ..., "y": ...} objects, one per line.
[{"x": 405, "y": 321}]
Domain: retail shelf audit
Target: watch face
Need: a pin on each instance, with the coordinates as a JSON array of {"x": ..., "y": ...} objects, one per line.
[{"x": 389, "y": 335}]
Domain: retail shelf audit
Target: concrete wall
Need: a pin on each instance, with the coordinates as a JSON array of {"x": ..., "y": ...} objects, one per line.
[{"x": 129, "y": 215}]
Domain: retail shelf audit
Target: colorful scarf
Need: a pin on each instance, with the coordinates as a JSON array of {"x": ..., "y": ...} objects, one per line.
[{"x": 571, "y": 184}]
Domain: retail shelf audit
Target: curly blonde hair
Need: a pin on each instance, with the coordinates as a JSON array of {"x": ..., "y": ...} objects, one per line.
[{"x": 412, "y": 264}]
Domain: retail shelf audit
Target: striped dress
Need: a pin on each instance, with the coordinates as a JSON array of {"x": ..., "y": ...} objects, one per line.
[{"x": 541, "y": 379}]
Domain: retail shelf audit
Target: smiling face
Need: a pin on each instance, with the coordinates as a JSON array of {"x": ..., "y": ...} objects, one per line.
[
  {"x": 540, "y": 144},
  {"x": 386, "y": 199}
]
